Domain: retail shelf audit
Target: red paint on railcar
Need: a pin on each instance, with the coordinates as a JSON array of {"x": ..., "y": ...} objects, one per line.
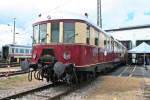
[{"x": 81, "y": 54}]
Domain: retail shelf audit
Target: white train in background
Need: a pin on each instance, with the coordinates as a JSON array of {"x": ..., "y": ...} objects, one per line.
[{"x": 16, "y": 53}]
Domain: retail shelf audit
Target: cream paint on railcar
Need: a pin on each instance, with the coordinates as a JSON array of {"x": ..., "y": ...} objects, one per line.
[
  {"x": 61, "y": 30},
  {"x": 80, "y": 34},
  {"x": 102, "y": 38},
  {"x": 80, "y": 30},
  {"x": 111, "y": 44},
  {"x": 92, "y": 37},
  {"x": 48, "y": 32}
]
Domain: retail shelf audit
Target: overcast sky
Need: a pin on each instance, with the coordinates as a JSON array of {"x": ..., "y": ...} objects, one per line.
[{"x": 115, "y": 14}]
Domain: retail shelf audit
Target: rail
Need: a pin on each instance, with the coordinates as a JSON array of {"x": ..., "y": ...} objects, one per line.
[
  {"x": 11, "y": 73},
  {"x": 17, "y": 95}
]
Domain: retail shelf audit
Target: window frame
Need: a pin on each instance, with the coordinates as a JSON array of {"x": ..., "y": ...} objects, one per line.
[
  {"x": 42, "y": 33},
  {"x": 58, "y": 29},
  {"x": 72, "y": 38}
]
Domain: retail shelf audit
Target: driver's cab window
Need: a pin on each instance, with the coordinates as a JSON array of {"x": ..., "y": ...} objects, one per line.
[{"x": 69, "y": 32}]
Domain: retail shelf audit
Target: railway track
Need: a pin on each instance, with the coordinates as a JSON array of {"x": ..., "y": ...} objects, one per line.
[
  {"x": 55, "y": 96},
  {"x": 128, "y": 71},
  {"x": 11, "y": 73},
  {"x": 17, "y": 95},
  {"x": 146, "y": 92},
  {"x": 47, "y": 92},
  {"x": 3, "y": 65}
]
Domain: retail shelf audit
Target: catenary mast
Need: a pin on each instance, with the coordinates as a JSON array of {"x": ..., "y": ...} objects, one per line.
[{"x": 99, "y": 16}]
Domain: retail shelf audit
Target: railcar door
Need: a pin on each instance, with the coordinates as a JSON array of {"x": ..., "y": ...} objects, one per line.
[{"x": 5, "y": 52}]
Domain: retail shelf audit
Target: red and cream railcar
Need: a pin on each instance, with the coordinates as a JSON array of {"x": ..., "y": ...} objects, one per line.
[{"x": 69, "y": 43}]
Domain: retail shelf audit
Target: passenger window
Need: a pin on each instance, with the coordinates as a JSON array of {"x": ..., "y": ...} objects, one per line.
[
  {"x": 55, "y": 32},
  {"x": 16, "y": 50},
  {"x": 96, "y": 41},
  {"x": 88, "y": 40},
  {"x": 21, "y": 50},
  {"x": 69, "y": 32},
  {"x": 27, "y": 51},
  {"x": 96, "y": 38},
  {"x": 88, "y": 35}
]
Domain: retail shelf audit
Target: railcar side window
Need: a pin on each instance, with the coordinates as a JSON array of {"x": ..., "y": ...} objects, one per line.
[
  {"x": 55, "y": 32},
  {"x": 96, "y": 38},
  {"x": 16, "y": 50},
  {"x": 27, "y": 51},
  {"x": 30, "y": 51},
  {"x": 21, "y": 50},
  {"x": 69, "y": 32},
  {"x": 35, "y": 34},
  {"x": 88, "y": 35}
]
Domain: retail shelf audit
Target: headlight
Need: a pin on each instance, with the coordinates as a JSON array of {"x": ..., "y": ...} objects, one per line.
[
  {"x": 34, "y": 55},
  {"x": 67, "y": 55}
]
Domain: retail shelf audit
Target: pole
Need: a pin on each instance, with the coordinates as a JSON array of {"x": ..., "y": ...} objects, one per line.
[
  {"x": 14, "y": 31},
  {"x": 144, "y": 59},
  {"x": 99, "y": 15}
]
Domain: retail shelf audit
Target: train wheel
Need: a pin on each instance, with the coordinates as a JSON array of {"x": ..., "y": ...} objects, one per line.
[{"x": 54, "y": 79}]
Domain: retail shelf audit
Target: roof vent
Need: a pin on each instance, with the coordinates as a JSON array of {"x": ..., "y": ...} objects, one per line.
[
  {"x": 86, "y": 14},
  {"x": 49, "y": 17},
  {"x": 39, "y": 15}
]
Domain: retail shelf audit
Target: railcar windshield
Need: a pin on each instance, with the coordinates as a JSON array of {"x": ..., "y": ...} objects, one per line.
[
  {"x": 40, "y": 33},
  {"x": 69, "y": 32},
  {"x": 43, "y": 33},
  {"x": 55, "y": 32},
  {"x": 35, "y": 34}
]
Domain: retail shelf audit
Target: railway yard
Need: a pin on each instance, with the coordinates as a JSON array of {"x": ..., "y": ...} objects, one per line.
[
  {"x": 127, "y": 82},
  {"x": 67, "y": 55}
]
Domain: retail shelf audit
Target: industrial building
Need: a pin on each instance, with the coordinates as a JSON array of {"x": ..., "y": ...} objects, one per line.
[{"x": 132, "y": 37}]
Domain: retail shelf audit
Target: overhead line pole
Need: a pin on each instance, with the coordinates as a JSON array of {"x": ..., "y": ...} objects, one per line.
[{"x": 99, "y": 15}]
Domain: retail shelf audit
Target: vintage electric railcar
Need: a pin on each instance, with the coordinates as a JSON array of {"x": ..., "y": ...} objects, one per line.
[
  {"x": 16, "y": 53},
  {"x": 68, "y": 47}
]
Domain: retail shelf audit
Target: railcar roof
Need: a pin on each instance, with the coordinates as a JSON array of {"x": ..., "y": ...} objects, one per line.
[
  {"x": 14, "y": 45},
  {"x": 66, "y": 15},
  {"x": 60, "y": 15}
]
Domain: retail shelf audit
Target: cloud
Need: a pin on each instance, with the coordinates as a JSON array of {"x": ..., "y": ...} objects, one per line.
[
  {"x": 115, "y": 13},
  {"x": 6, "y": 37},
  {"x": 147, "y": 13},
  {"x": 131, "y": 16},
  {"x": 140, "y": 19},
  {"x": 125, "y": 12}
]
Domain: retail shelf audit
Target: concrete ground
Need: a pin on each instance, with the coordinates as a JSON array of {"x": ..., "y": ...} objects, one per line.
[{"x": 125, "y": 83}]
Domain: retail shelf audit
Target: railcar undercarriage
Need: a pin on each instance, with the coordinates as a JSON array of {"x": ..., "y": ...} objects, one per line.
[{"x": 53, "y": 71}]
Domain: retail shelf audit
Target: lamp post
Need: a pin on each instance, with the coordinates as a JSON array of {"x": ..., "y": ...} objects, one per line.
[{"x": 14, "y": 34}]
